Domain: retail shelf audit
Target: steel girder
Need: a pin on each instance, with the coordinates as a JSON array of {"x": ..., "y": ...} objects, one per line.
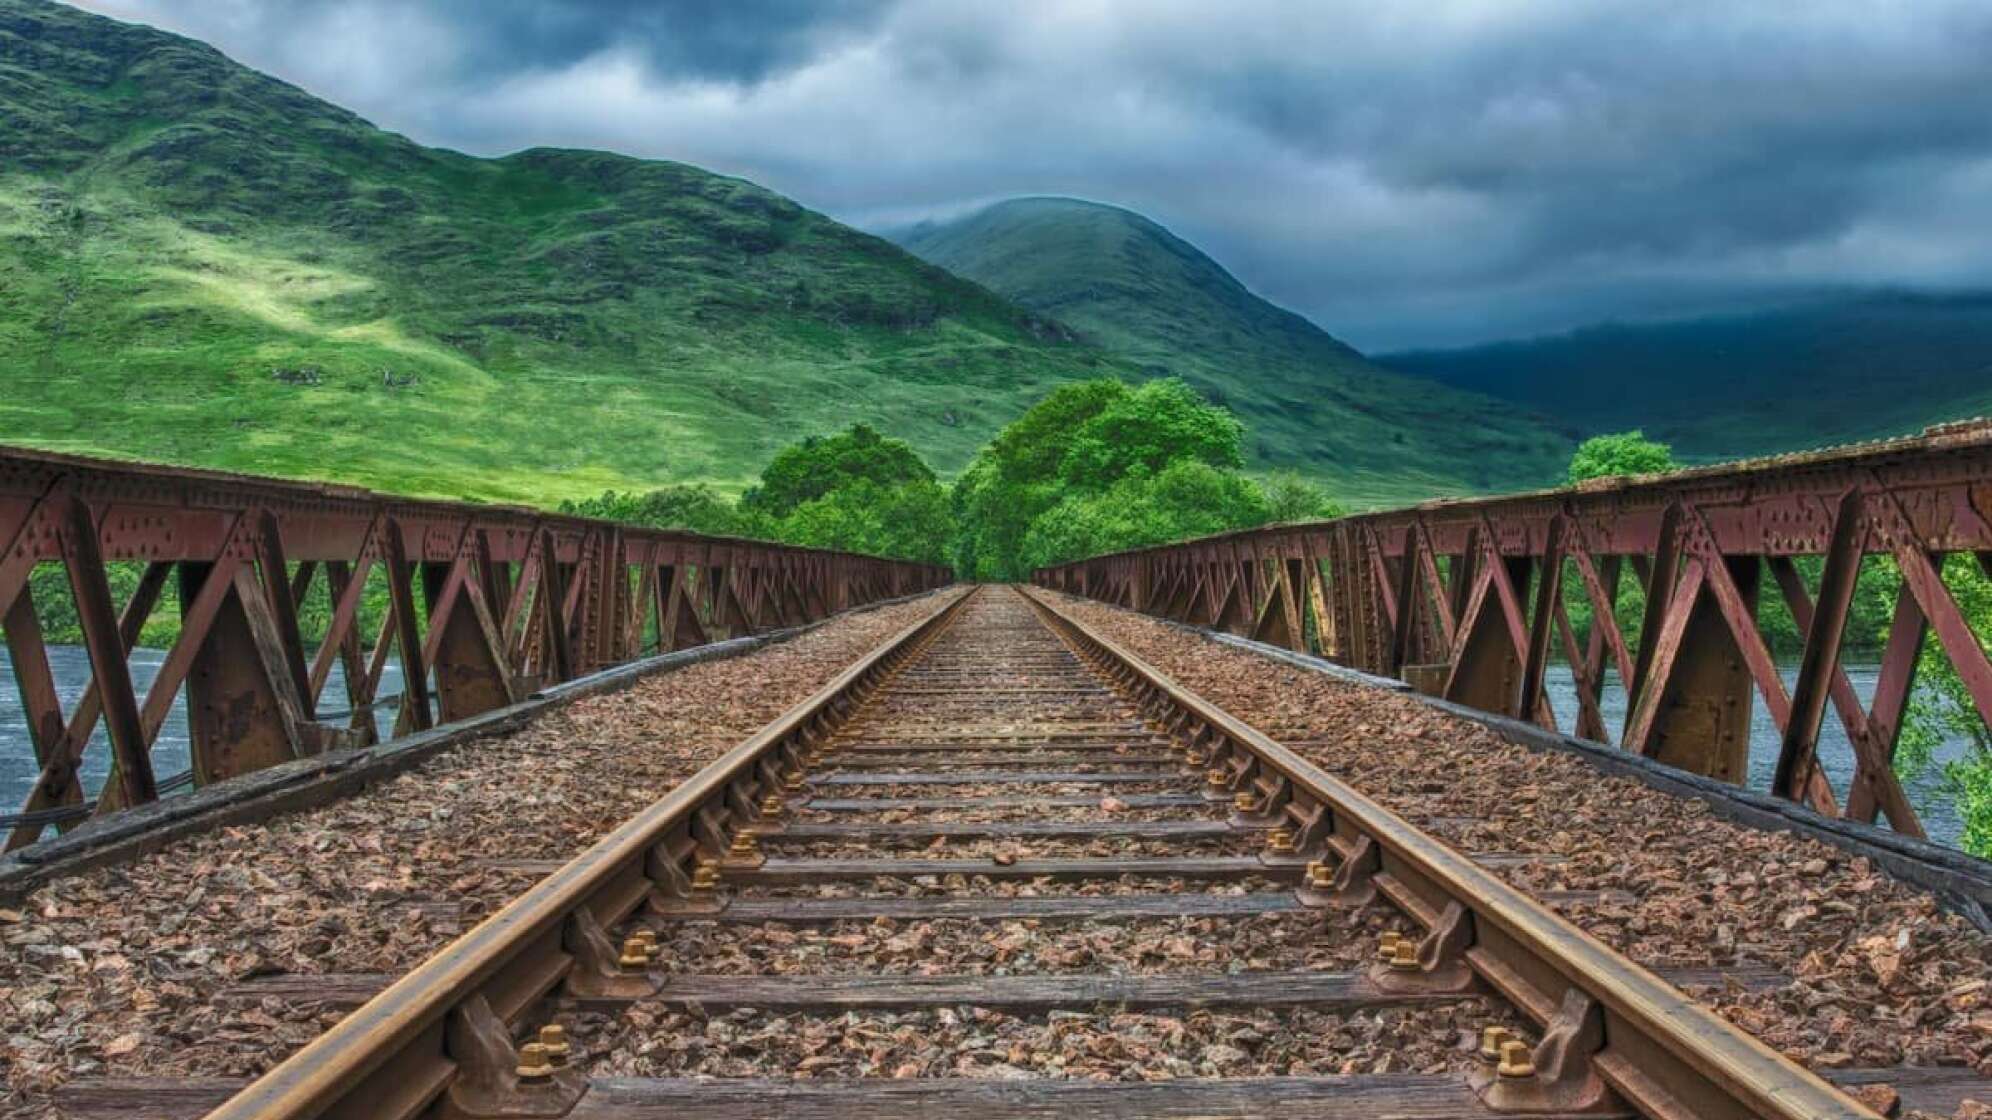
[
  {"x": 485, "y": 604},
  {"x": 1470, "y": 599}
]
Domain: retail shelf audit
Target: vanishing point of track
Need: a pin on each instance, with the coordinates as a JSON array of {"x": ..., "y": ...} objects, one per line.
[{"x": 1016, "y": 767}]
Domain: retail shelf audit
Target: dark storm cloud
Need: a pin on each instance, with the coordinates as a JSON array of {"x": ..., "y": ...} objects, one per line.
[
  {"x": 1402, "y": 173},
  {"x": 732, "y": 40}
]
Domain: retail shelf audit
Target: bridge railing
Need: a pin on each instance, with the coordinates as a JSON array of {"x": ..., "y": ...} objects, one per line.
[
  {"x": 1470, "y": 600},
  {"x": 484, "y": 605}
]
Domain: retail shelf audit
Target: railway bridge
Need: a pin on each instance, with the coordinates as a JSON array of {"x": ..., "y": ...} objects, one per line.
[{"x": 1277, "y": 822}]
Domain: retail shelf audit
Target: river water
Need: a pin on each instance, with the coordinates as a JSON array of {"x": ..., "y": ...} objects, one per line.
[
  {"x": 170, "y": 756},
  {"x": 1933, "y": 804},
  {"x": 170, "y": 753}
]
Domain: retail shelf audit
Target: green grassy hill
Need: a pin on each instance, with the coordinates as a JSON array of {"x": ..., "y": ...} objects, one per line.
[
  {"x": 1778, "y": 380},
  {"x": 201, "y": 264},
  {"x": 1308, "y": 400}
]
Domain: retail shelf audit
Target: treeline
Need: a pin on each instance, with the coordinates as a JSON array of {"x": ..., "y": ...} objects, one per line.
[{"x": 1094, "y": 467}]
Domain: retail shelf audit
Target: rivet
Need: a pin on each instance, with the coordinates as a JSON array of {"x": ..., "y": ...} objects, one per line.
[{"x": 1516, "y": 1059}]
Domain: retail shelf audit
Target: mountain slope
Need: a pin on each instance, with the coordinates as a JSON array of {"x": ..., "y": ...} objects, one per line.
[
  {"x": 1308, "y": 400},
  {"x": 202, "y": 264},
  {"x": 1723, "y": 386}
]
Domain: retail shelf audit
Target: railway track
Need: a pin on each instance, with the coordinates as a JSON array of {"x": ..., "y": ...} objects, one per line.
[{"x": 999, "y": 867}]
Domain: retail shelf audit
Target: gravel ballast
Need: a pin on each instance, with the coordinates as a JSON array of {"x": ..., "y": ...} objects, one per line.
[
  {"x": 113, "y": 972},
  {"x": 1880, "y": 974},
  {"x": 1104, "y": 1045}
]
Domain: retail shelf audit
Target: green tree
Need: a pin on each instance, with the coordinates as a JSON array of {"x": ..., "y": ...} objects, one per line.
[
  {"x": 1289, "y": 497},
  {"x": 912, "y": 521},
  {"x": 1620, "y": 453},
  {"x": 1186, "y": 499},
  {"x": 695, "y": 506},
  {"x": 1081, "y": 442},
  {"x": 1941, "y": 707},
  {"x": 819, "y": 465},
  {"x": 1160, "y": 423}
]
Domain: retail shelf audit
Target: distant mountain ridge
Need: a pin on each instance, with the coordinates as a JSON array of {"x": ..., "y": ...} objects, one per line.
[
  {"x": 203, "y": 264},
  {"x": 1822, "y": 372},
  {"x": 1308, "y": 399}
]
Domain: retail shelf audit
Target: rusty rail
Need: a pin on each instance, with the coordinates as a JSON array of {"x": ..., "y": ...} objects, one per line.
[
  {"x": 1466, "y": 599},
  {"x": 1609, "y": 1027},
  {"x": 508, "y": 600},
  {"x": 445, "y": 1029}
]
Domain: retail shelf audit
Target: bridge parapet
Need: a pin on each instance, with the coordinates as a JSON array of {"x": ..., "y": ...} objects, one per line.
[
  {"x": 485, "y": 604},
  {"x": 1466, "y": 598}
]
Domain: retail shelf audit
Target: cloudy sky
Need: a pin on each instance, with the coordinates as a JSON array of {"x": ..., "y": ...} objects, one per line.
[{"x": 1405, "y": 174}]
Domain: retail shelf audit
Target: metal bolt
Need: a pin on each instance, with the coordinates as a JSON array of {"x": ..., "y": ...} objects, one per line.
[
  {"x": 1215, "y": 778},
  {"x": 1386, "y": 946},
  {"x": 1319, "y": 877},
  {"x": 744, "y": 844},
  {"x": 771, "y": 806},
  {"x": 648, "y": 939},
  {"x": 1196, "y": 758},
  {"x": 1246, "y": 802},
  {"x": 1281, "y": 840},
  {"x": 1491, "y": 1039},
  {"x": 634, "y": 956},
  {"x": 1404, "y": 956},
  {"x": 1516, "y": 1060},
  {"x": 706, "y": 876},
  {"x": 534, "y": 1065},
  {"x": 553, "y": 1040}
]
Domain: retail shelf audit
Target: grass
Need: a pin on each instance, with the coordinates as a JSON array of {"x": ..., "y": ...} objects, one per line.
[{"x": 202, "y": 265}]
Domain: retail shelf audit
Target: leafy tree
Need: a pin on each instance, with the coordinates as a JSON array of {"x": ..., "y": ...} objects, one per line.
[
  {"x": 1081, "y": 442},
  {"x": 1160, "y": 423},
  {"x": 1941, "y": 707},
  {"x": 912, "y": 521},
  {"x": 696, "y": 507},
  {"x": 1290, "y": 497},
  {"x": 1014, "y": 478},
  {"x": 1620, "y": 453},
  {"x": 1188, "y": 498},
  {"x": 819, "y": 465}
]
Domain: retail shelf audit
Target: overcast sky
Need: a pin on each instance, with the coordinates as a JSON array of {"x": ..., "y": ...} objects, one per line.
[{"x": 1403, "y": 173}]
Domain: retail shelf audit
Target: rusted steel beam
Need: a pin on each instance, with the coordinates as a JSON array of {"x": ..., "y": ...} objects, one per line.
[
  {"x": 1699, "y": 540},
  {"x": 511, "y": 598}
]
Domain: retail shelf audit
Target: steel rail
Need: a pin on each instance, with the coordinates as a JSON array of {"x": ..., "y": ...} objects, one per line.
[
  {"x": 1667, "y": 1055},
  {"x": 397, "y": 1055}
]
